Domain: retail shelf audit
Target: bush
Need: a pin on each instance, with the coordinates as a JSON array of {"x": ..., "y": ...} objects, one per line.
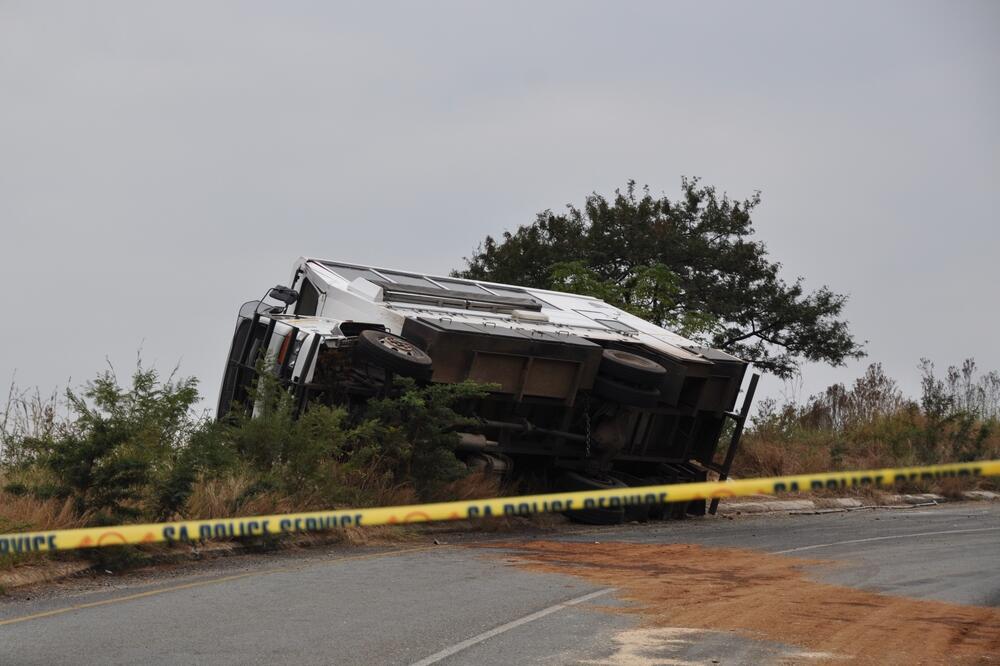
[
  {"x": 125, "y": 453},
  {"x": 412, "y": 437},
  {"x": 117, "y": 448}
]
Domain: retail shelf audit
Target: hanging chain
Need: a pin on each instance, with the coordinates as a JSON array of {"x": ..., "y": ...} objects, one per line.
[{"x": 586, "y": 411}]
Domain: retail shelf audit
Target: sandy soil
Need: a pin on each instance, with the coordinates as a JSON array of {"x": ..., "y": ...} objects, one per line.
[{"x": 771, "y": 597}]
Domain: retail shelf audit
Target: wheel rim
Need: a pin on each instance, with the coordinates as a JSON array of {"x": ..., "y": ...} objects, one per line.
[{"x": 398, "y": 345}]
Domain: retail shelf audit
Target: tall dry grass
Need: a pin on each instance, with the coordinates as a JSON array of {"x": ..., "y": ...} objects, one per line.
[
  {"x": 29, "y": 514},
  {"x": 872, "y": 425}
]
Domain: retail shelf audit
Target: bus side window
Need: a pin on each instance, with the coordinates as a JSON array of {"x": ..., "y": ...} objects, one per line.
[{"x": 308, "y": 301}]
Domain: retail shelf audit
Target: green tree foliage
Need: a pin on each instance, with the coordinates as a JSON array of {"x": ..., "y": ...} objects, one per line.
[{"x": 689, "y": 265}]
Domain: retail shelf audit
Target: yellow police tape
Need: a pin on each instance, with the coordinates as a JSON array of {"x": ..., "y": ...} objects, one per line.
[{"x": 191, "y": 530}]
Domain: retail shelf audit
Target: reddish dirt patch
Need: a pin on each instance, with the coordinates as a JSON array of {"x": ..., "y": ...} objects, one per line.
[{"x": 770, "y": 597}]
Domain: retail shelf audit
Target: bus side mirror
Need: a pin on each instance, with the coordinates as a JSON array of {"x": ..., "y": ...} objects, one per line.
[{"x": 284, "y": 294}]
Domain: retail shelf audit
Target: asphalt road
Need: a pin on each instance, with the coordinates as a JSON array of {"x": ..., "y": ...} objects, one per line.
[{"x": 452, "y": 604}]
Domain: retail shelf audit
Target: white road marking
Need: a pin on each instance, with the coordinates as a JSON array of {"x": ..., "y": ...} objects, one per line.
[
  {"x": 458, "y": 647},
  {"x": 881, "y": 538}
]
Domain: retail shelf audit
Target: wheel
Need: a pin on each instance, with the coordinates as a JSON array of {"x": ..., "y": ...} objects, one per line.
[
  {"x": 632, "y": 369},
  {"x": 393, "y": 353},
  {"x": 636, "y": 512},
  {"x": 488, "y": 463},
  {"x": 616, "y": 391},
  {"x": 656, "y": 511},
  {"x": 671, "y": 510},
  {"x": 573, "y": 481}
]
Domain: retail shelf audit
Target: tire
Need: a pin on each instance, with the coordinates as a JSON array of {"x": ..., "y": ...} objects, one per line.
[
  {"x": 670, "y": 510},
  {"x": 634, "y": 512},
  {"x": 488, "y": 463},
  {"x": 393, "y": 353},
  {"x": 573, "y": 481},
  {"x": 632, "y": 369},
  {"x": 657, "y": 511},
  {"x": 625, "y": 394}
]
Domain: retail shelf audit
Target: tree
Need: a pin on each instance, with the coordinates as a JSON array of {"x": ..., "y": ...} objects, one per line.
[{"x": 688, "y": 265}]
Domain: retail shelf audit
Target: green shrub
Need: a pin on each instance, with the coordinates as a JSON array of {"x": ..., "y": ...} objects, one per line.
[
  {"x": 405, "y": 438},
  {"x": 139, "y": 451},
  {"x": 411, "y": 436},
  {"x": 116, "y": 447}
]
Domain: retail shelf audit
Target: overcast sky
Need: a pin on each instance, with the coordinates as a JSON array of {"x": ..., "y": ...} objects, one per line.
[{"x": 161, "y": 163}]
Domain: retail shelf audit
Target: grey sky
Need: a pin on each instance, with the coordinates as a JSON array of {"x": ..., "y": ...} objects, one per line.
[{"x": 162, "y": 163}]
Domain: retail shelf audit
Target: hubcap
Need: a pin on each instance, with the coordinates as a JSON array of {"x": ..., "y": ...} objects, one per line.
[{"x": 398, "y": 345}]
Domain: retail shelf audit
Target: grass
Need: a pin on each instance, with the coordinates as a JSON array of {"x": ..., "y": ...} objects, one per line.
[
  {"x": 24, "y": 513},
  {"x": 872, "y": 425}
]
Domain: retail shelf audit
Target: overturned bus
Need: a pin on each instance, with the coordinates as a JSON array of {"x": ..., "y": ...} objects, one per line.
[{"x": 582, "y": 394}]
